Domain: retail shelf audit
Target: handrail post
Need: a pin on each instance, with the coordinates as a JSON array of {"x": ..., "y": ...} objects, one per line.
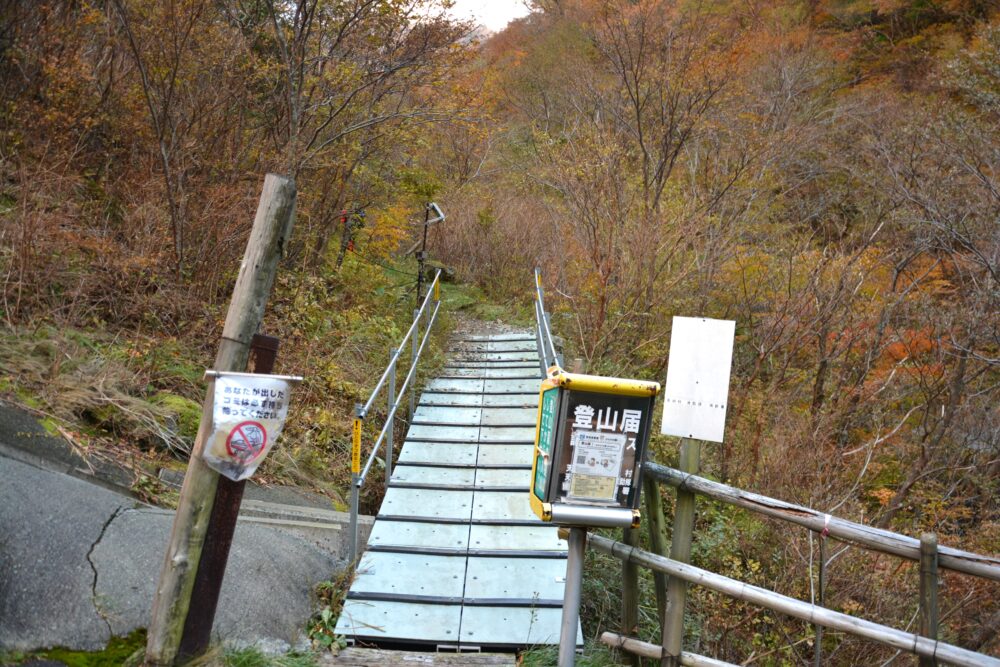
[
  {"x": 543, "y": 367},
  {"x": 391, "y": 400},
  {"x": 680, "y": 550},
  {"x": 928, "y": 592},
  {"x": 355, "y": 480},
  {"x": 548, "y": 325},
  {"x": 413, "y": 360},
  {"x": 818, "y": 648}
]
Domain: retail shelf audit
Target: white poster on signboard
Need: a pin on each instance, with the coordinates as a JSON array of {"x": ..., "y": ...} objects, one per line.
[
  {"x": 248, "y": 413},
  {"x": 697, "y": 391}
]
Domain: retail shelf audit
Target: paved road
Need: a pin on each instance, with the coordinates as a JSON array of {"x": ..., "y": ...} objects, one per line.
[{"x": 79, "y": 563}]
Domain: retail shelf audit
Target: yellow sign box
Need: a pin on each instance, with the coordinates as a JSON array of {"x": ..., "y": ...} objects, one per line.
[{"x": 590, "y": 443}]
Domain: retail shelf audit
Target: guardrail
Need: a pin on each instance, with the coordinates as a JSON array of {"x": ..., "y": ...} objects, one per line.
[
  {"x": 429, "y": 313},
  {"x": 671, "y": 606},
  {"x": 547, "y": 354}
]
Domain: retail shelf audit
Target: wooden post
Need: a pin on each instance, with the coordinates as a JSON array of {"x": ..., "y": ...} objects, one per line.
[
  {"x": 219, "y": 536},
  {"x": 657, "y": 525},
  {"x": 928, "y": 592},
  {"x": 272, "y": 228},
  {"x": 630, "y": 595},
  {"x": 680, "y": 550}
]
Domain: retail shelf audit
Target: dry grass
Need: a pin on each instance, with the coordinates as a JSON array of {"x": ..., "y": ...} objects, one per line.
[{"x": 83, "y": 392}]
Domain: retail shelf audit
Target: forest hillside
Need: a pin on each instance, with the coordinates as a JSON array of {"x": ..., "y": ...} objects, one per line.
[{"x": 824, "y": 172}]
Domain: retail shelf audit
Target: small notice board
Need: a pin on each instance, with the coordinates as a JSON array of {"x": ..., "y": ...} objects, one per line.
[
  {"x": 696, "y": 396},
  {"x": 591, "y": 438}
]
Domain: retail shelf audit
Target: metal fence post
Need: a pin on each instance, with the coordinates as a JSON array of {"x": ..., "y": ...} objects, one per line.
[
  {"x": 355, "y": 481},
  {"x": 928, "y": 591},
  {"x": 391, "y": 399},
  {"x": 818, "y": 648},
  {"x": 680, "y": 550},
  {"x": 413, "y": 359},
  {"x": 540, "y": 340},
  {"x": 571, "y": 597}
]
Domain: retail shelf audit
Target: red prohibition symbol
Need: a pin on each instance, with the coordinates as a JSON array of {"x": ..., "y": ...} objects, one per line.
[{"x": 246, "y": 441}]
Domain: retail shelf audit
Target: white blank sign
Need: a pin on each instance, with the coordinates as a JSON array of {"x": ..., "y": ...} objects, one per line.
[{"x": 697, "y": 391}]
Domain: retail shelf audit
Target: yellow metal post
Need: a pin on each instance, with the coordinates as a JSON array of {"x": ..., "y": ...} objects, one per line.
[
  {"x": 356, "y": 447},
  {"x": 355, "y": 480}
]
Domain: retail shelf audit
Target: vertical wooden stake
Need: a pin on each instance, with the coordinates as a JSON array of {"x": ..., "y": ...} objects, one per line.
[
  {"x": 928, "y": 591},
  {"x": 680, "y": 550},
  {"x": 657, "y": 526},
  {"x": 630, "y": 595},
  {"x": 272, "y": 228}
]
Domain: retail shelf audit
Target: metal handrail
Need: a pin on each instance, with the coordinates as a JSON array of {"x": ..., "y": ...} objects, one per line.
[
  {"x": 543, "y": 329},
  {"x": 929, "y": 554},
  {"x": 394, "y": 399},
  {"x": 868, "y": 537},
  {"x": 402, "y": 392},
  {"x": 805, "y": 611}
]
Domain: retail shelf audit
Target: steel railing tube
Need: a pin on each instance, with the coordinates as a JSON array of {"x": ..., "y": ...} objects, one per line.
[
  {"x": 391, "y": 410},
  {"x": 804, "y": 611},
  {"x": 542, "y": 361},
  {"x": 546, "y": 342},
  {"x": 413, "y": 360},
  {"x": 556, "y": 357},
  {"x": 409, "y": 332},
  {"x": 402, "y": 392},
  {"x": 393, "y": 400}
]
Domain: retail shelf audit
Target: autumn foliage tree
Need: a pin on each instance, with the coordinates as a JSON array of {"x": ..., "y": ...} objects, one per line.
[{"x": 824, "y": 174}]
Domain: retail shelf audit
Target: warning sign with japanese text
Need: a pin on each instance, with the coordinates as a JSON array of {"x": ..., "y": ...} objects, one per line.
[
  {"x": 248, "y": 413},
  {"x": 598, "y": 458}
]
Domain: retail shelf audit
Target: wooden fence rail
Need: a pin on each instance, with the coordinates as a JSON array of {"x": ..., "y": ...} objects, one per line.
[
  {"x": 872, "y": 538},
  {"x": 904, "y": 641},
  {"x": 671, "y": 591}
]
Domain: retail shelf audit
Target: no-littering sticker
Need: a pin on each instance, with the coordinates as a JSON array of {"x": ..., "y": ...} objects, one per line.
[
  {"x": 248, "y": 413},
  {"x": 246, "y": 441}
]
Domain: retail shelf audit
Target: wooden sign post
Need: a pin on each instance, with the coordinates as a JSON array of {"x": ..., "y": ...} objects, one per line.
[
  {"x": 694, "y": 407},
  {"x": 272, "y": 228}
]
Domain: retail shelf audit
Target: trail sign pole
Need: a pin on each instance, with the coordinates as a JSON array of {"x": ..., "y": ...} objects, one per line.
[
  {"x": 680, "y": 550},
  {"x": 695, "y": 401},
  {"x": 571, "y": 599},
  {"x": 590, "y": 445},
  {"x": 171, "y": 604}
]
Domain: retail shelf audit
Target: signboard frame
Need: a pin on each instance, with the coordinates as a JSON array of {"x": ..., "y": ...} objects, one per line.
[{"x": 591, "y": 433}]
